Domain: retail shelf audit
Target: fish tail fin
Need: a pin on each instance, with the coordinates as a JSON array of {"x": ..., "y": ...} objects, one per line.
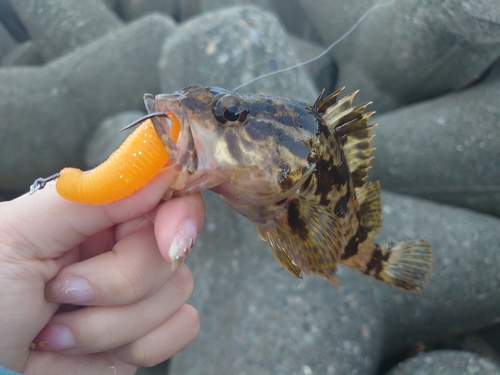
[{"x": 405, "y": 265}]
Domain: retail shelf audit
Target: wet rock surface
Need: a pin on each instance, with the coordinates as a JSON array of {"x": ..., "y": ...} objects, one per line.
[
  {"x": 447, "y": 362},
  {"x": 255, "y": 317},
  {"x": 265, "y": 320},
  {"x": 67, "y": 98},
  {"x": 7, "y": 43},
  {"x": 23, "y": 54},
  {"x": 253, "y": 310},
  {"x": 108, "y": 137},
  {"x": 78, "y": 23},
  {"x": 432, "y": 47},
  {"x": 454, "y": 143},
  {"x": 229, "y": 47}
]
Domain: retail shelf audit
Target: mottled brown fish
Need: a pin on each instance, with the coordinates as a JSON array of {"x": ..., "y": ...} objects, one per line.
[{"x": 296, "y": 171}]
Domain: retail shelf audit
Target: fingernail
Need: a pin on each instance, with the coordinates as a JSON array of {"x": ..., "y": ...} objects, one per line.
[
  {"x": 183, "y": 242},
  {"x": 54, "y": 337},
  {"x": 69, "y": 289}
]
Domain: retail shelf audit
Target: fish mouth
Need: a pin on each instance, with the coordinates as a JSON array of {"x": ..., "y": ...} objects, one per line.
[
  {"x": 187, "y": 144},
  {"x": 172, "y": 126}
]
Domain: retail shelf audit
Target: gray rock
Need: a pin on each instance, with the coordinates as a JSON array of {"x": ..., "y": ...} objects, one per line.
[
  {"x": 492, "y": 337},
  {"x": 78, "y": 23},
  {"x": 211, "y": 5},
  {"x": 332, "y": 18},
  {"x": 11, "y": 22},
  {"x": 294, "y": 17},
  {"x": 35, "y": 117},
  {"x": 494, "y": 71},
  {"x": 110, "y": 3},
  {"x": 256, "y": 318},
  {"x": 108, "y": 137},
  {"x": 189, "y": 8},
  {"x": 446, "y": 362},
  {"x": 416, "y": 50},
  {"x": 446, "y": 149},
  {"x": 133, "y": 9},
  {"x": 7, "y": 43},
  {"x": 24, "y": 54},
  {"x": 322, "y": 71},
  {"x": 462, "y": 294},
  {"x": 229, "y": 47},
  {"x": 474, "y": 343},
  {"x": 47, "y": 113}
]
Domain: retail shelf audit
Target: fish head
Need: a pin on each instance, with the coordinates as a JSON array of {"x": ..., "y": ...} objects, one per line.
[{"x": 250, "y": 148}]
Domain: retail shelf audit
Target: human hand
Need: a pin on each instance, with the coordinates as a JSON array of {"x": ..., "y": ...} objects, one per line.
[{"x": 111, "y": 259}]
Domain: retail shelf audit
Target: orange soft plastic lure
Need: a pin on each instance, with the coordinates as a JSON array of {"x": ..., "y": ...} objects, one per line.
[{"x": 129, "y": 168}]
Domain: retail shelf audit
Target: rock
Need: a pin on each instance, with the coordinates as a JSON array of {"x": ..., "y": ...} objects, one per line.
[
  {"x": 111, "y": 4},
  {"x": 446, "y": 362},
  {"x": 24, "y": 54},
  {"x": 133, "y": 9},
  {"x": 9, "y": 19},
  {"x": 331, "y": 19},
  {"x": 228, "y": 48},
  {"x": 294, "y": 17},
  {"x": 414, "y": 51},
  {"x": 108, "y": 137},
  {"x": 258, "y": 319},
  {"x": 492, "y": 337},
  {"x": 322, "y": 71},
  {"x": 189, "y": 8},
  {"x": 462, "y": 292},
  {"x": 7, "y": 43},
  {"x": 211, "y": 5},
  {"x": 249, "y": 304},
  {"x": 67, "y": 99},
  {"x": 35, "y": 117},
  {"x": 78, "y": 23},
  {"x": 244, "y": 297},
  {"x": 473, "y": 343},
  {"x": 446, "y": 149},
  {"x": 494, "y": 71}
]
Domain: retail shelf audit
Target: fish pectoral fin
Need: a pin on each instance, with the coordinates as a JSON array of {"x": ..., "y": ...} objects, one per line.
[
  {"x": 279, "y": 252},
  {"x": 370, "y": 207},
  {"x": 312, "y": 238},
  {"x": 405, "y": 265}
]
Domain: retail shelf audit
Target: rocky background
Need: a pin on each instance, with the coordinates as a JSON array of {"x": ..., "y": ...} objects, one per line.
[{"x": 73, "y": 73}]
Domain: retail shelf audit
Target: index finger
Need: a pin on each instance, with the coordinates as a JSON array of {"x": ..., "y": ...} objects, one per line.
[{"x": 45, "y": 225}]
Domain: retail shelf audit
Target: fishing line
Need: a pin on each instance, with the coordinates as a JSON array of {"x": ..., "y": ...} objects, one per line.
[{"x": 345, "y": 35}]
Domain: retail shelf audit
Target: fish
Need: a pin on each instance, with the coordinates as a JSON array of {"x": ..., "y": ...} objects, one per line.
[{"x": 296, "y": 171}]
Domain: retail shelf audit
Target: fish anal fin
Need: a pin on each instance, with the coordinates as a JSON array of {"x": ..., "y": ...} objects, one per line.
[
  {"x": 312, "y": 237},
  {"x": 279, "y": 252},
  {"x": 404, "y": 265},
  {"x": 370, "y": 207}
]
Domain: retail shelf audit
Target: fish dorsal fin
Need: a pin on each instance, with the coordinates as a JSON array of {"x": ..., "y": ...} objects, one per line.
[
  {"x": 370, "y": 207},
  {"x": 351, "y": 125},
  {"x": 311, "y": 236}
]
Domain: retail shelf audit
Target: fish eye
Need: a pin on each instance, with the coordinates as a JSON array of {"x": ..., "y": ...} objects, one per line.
[{"x": 231, "y": 110}]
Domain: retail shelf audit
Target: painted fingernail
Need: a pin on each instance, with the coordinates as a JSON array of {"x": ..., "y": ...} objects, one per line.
[
  {"x": 54, "y": 337},
  {"x": 69, "y": 289},
  {"x": 183, "y": 242}
]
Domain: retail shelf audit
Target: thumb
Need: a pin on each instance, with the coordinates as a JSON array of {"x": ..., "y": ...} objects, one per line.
[{"x": 45, "y": 225}]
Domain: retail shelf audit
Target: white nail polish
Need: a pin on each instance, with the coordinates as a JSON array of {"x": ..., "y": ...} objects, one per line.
[{"x": 182, "y": 242}]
